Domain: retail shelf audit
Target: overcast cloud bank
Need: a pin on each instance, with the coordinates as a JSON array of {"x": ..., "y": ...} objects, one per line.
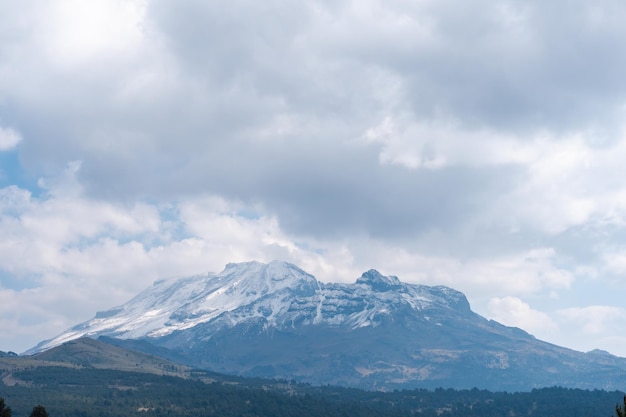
[{"x": 477, "y": 145}]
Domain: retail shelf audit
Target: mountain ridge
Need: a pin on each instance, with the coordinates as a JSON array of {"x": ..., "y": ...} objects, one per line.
[
  {"x": 172, "y": 305},
  {"x": 276, "y": 320}
]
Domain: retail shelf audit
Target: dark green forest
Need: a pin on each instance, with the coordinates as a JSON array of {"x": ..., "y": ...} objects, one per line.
[{"x": 67, "y": 392}]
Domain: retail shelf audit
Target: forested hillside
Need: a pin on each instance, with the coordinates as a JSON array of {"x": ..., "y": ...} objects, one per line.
[{"x": 68, "y": 392}]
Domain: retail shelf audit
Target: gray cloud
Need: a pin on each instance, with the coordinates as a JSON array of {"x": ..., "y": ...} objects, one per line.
[{"x": 232, "y": 75}]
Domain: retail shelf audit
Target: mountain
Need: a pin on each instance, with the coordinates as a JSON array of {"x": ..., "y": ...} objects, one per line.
[
  {"x": 275, "y": 320},
  {"x": 90, "y": 353}
]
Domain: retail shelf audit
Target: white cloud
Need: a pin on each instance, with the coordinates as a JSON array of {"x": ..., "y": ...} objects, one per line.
[
  {"x": 569, "y": 183},
  {"x": 512, "y": 311},
  {"x": 564, "y": 181},
  {"x": 41, "y": 229},
  {"x": 615, "y": 262},
  {"x": 437, "y": 144},
  {"x": 568, "y": 180},
  {"x": 596, "y": 320},
  {"x": 593, "y": 327},
  {"x": 77, "y": 31},
  {"x": 9, "y": 138},
  {"x": 525, "y": 273}
]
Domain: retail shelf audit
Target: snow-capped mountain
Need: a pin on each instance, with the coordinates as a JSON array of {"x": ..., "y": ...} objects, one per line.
[
  {"x": 280, "y": 294},
  {"x": 275, "y": 320},
  {"x": 174, "y": 305}
]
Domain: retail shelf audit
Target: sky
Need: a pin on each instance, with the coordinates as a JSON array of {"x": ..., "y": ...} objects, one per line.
[{"x": 478, "y": 144}]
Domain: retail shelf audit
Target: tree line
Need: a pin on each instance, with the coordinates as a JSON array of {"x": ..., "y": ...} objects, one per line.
[
  {"x": 38, "y": 410},
  {"x": 108, "y": 393},
  {"x": 621, "y": 411}
]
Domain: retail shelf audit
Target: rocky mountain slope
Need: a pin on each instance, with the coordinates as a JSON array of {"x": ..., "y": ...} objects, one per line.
[{"x": 275, "y": 320}]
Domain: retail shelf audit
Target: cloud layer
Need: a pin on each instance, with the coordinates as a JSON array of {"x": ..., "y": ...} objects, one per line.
[{"x": 477, "y": 145}]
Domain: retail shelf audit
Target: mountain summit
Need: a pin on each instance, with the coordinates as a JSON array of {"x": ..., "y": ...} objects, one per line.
[{"x": 275, "y": 320}]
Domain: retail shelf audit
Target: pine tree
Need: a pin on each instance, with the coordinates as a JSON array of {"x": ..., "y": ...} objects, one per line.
[
  {"x": 4, "y": 410},
  {"x": 621, "y": 412},
  {"x": 39, "y": 411}
]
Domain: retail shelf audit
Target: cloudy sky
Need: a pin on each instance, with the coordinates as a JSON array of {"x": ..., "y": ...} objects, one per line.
[{"x": 477, "y": 144}]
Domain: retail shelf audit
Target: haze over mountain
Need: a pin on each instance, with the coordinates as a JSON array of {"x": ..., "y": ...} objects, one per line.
[{"x": 275, "y": 320}]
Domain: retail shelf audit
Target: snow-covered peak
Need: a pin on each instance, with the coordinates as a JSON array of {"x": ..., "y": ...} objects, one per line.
[
  {"x": 274, "y": 294},
  {"x": 258, "y": 279},
  {"x": 378, "y": 282}
]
